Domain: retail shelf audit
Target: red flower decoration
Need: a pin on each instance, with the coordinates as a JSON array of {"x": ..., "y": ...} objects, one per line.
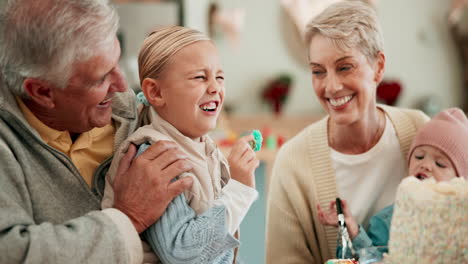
[
  {"x": 277, "y": 92},
  {"x": 388, "y": 92}
]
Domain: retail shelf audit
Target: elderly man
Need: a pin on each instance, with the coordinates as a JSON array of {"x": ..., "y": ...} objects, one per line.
[{"x": 64, "y": 109}]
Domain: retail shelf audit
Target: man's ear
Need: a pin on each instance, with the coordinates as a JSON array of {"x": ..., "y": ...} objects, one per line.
[
  {"x": 152, "y": 91},
  {"x": 379, "y": 67},
  {"x": 41, "y": 92}
]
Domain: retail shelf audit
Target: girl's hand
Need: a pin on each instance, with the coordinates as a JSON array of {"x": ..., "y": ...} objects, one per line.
[
  {"x": 243, "y": 162},
  {"x": 330, "y": 218}
]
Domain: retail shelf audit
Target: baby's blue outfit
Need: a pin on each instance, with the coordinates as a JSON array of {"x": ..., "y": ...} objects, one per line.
[
  {"x": 180, "y": 236},
  {"x": 378, "y": 231}
]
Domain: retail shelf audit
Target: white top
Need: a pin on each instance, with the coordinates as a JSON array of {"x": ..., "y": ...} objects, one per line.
[
  {"x": 237, "y": 198},
  {"x": 368, "y": 181}
]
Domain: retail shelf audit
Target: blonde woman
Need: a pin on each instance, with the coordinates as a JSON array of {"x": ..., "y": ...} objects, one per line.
[
  {"x": 357, "y": 152},
  {"x": 183, "y": 89}
]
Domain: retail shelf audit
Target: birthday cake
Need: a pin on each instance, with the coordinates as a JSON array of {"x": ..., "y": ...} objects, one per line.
[{"x": 430, "y": 222}]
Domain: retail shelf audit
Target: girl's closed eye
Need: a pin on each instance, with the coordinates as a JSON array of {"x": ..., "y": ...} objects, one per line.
[
  {"x": 440, "y": 164},
  {"x": 419, "y": 157},
  {"x": 200, "y": 77}
]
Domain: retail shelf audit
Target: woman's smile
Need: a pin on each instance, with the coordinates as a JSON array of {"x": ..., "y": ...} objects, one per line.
[{"x": 340, "y": 103}]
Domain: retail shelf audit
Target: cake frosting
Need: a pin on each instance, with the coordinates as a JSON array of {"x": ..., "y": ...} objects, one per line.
[{"x": 430, "y": 222}]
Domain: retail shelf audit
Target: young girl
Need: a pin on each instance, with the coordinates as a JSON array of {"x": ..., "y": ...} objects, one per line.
[
  {"x": 183, "y": 85},
  {"x": 439, "y": 152}
]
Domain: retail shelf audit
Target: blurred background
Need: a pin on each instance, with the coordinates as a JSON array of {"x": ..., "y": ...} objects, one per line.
[{"x": 268, "y": 83}]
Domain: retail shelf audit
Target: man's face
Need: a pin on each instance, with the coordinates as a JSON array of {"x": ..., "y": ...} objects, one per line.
[{"x": 86, "y": 102}]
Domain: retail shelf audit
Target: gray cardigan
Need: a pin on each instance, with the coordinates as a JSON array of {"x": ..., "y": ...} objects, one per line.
[{"x": 48, "y": 214}]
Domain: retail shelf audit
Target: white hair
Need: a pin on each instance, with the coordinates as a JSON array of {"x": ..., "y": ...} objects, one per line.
[
  {"x": 44, "y": 38},
  {"x": 349, "y": 24}
]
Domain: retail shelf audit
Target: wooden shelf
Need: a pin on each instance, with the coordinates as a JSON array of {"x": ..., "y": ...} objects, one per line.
[{"x": 286, "y": 126}]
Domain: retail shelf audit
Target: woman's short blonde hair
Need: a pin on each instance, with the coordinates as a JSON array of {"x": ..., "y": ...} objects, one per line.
[
  {"x": 349, "y": 24},
  {"x": 159, "y": 47}
]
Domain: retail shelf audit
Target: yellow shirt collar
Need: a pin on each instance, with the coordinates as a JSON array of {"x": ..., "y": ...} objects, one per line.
[
  {"x": 47, "y": 134},
  {"x": 88, "y": 151}
]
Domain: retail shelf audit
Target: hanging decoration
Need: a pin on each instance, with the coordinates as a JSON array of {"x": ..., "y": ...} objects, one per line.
[
  {"x": 302, "y": 11},
  {"x": 226, "y": 22},
  {"x": 456, "y": 10}
]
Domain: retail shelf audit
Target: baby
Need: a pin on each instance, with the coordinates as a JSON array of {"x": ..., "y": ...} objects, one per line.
[
  {"x": 439, "y": 152},
  {"x": 183, "y": 86}
]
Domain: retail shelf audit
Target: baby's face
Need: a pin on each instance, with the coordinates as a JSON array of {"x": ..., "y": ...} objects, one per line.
[
  {"x": 427, "y": 161},
  {"x": 192, "y": 89}
]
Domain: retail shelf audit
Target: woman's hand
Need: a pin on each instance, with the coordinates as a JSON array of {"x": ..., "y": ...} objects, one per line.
[
  {"x": 243, "y": 162},
  {"x": 330, "y": 217}
]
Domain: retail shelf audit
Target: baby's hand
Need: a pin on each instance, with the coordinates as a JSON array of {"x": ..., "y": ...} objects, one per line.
[
  {"x": 243, "y": 162},
  {"x": 330, "y": 218}
]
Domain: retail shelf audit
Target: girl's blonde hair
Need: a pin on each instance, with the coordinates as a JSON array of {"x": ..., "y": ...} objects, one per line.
[
  {"x": 157, "y": 50},
  {"x": 349, "y": 24},
  {"x": 159, "y": 47}
]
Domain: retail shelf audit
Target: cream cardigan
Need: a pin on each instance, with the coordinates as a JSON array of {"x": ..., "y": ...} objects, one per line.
[{"x": 303, "y": 176}]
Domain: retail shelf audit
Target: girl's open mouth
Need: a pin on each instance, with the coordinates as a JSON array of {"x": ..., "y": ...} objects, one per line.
[{"x": 210, "y": 106}]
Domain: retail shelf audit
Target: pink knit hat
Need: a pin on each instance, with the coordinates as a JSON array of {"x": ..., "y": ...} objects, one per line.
[{"x": 447, "y": 131}]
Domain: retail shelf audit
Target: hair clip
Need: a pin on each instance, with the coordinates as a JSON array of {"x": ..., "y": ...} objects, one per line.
[{"x": 142, "y": 99}]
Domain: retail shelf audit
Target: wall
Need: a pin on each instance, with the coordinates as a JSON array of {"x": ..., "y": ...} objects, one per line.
[
  {"x": 419, "y": 50},
  {"x": 136, "y": 22},
  {"x": 196, "y": 14},
  {"x": 263, "y": 53}
]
